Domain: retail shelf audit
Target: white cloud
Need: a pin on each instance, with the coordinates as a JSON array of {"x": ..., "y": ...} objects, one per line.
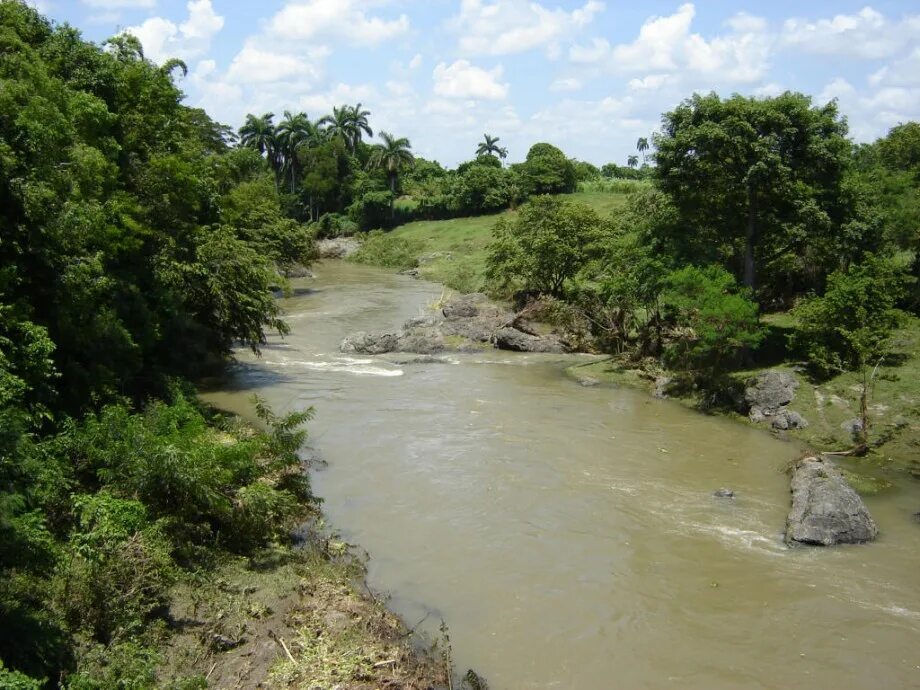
[
  {"x": 566, "y": 84},
  {"x": 320, "y": 103},
  {"x": 163, "y": 39},
  {"x": 768, "y": 90},
  {"x": 464, "y": 80},
  {"x": 666, "y": 45},
  {"x": 902, "y": 72},
  {"x": 325, "y": 19},
  {"x": 254, "y": 64},
  {"x": 416, "y": 61},
  {"x": 120, "y": 4},
  {"x": 512, "y": 26},
  {"x": 866, "y": 34},
  {"x": 652, "y": 82}
]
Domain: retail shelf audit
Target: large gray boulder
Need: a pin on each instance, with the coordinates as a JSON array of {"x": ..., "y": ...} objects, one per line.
[
  {"x": 513, "y": 339},
  {"x": 789, "y": 419},
  {"x": 768, "y": 392},
  {"x": 337, "y": 247},
  {"x": 825, "y": 508},
  {"x": 421, "y": 342},
  {"x": 362, "y": 343}
]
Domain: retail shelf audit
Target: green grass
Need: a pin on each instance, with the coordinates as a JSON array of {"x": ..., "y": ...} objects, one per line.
[{"x": 460, "y": 243}]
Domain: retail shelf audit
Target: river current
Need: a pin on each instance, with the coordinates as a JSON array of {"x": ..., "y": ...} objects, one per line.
[{"x": 568, "y": 536}]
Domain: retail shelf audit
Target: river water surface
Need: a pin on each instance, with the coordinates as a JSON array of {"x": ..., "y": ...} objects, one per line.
[{"x": 567, "y": 535}]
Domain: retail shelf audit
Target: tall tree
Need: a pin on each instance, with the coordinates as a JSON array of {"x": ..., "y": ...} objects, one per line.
[
  {"x": 391, "y": 156},
  {"x": 258, "y": 132},
  {"x": 632, "y": 161},
  {"x": 642, "y": 146},
  {"x": 359, "y": 125},
  {"x": 759, "y": 181},
  {"x": 489, "y": 147},
  {"x": 293, "y": 132}
]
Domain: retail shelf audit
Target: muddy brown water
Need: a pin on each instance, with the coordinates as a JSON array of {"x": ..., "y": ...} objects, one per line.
[{"x": 567, "y": 535}]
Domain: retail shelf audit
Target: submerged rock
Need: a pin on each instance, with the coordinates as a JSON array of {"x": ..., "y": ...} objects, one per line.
[
  {"x": 662, "y": 385},
  {"x": 723, "y": 493},
  {"x": 768, "y": 392},
  {"x": 825, "y": 508}
]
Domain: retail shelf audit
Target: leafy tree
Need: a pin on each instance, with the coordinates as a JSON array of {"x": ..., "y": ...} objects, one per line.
[
  {"x": 757, "y": 180},
  {"x": 549, "y": 241},
  {"x": 632, "y": 161},
  {"x": 291, "y": 133},
  {"x": 716, "y": 320},
  {"x": 548, "y": 171},
  {"x": 849, "y": 327},
  {"x": 259, "y": 133}
]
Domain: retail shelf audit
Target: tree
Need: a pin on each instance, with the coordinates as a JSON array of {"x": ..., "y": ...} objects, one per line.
[
  {"x": 759, "y": 181},
  {"x": 549, "y": 241},
  {"x": 359, "y": 125},
  {"x": 642, "y": 147},
  {"x": 391, "y": 156},
  {"x": 291, "y": 133},
  {"x": 849, "y": 327},
  {"x": 490, "y": 147},
  {"x": 547, "y": 171},
  {"x": 259, "y": 133},
  {"x": 348, "y": 123},
  {"x": 717, "y": 321},
  {"x": 632, "y": 161}
]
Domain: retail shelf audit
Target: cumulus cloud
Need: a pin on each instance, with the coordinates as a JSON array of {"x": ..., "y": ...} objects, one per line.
[
  {"x": 667, "y": 45},
  {"x": 512, "y": 26},
  {"x": 325, "y": 19},
  {"x": 566, "y": 84},
  {"x": 866, "y": 34},
  {"x": 904, "y": 71},
  {"x": 461, "y": 79},
  {"x": 163, "y": 39}
]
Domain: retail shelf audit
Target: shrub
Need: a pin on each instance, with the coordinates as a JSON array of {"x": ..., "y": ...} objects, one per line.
[
  {"x": 548, "y": 171},
  {"x": 388, "y": 251},
  {"x": 715, "y": 320}
]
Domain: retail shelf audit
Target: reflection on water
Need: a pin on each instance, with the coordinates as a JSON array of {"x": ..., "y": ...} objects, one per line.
[{"x": 569, "y": 535}]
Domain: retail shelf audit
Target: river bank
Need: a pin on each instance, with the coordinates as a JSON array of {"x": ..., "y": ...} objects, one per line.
[{"x": 567, "y": 534}]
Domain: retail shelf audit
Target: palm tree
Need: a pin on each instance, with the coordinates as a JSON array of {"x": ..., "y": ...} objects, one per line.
[
  {"x": 391, "y": 156},
  {"x": 642, "y": 147},
  {"x": 490, "y": 147},
  {"x": 632, "y": 161},
  {"x": 259, "y": 133},
  {"x": 293, "y": 132},
  {"x": 359, "y": 124},
  {"x": 339, "y": 124}
]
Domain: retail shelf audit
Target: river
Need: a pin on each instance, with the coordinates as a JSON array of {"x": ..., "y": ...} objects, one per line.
[{"x": 568, "y": 536}]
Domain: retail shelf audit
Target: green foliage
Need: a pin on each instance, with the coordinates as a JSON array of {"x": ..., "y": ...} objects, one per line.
[
  {"x": 548, "y": 171},
  {"x": 373, "y": 210},
  {"x": 758, "y": 186},
  {"x": 715, "y": 320},
  {"x": 14, "y": 680},
  {"x": 849, "y": 327},
  {"x": 381, "y": 249},
  {"x": 547, "y": 244}
]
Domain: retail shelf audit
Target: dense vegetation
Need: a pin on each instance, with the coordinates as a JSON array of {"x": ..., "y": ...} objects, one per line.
[{"x": 136, "y": 246}]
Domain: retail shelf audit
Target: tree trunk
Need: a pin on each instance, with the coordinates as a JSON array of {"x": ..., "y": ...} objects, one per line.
[{"x": 750, "y": 241}]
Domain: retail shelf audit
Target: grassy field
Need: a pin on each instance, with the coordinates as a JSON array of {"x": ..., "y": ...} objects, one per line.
[{"x": 459, "y": 245}]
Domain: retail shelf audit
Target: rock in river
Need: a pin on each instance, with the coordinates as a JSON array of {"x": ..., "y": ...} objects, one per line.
[
  {"x": 825, "y": 508},
  {"x": 513, "y": 339},
  {"x": 362, "y": 343}
]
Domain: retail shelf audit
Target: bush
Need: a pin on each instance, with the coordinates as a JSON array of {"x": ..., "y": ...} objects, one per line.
[
  {"x": 715, "y": 320},
  {"x": 381, "y": 249},
  {"x": 373, "y": 210}
]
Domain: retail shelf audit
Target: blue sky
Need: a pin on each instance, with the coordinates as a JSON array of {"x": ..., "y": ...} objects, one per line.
[{"x": 590, "y": 76}]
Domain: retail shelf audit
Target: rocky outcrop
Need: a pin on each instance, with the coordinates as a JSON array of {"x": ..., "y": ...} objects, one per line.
[
  {"x": 766, "y": 399},
  {"x": 337, "y": 247},
  {"x": 788, "y": 419},
  {"x": 362, "y": 343},
  {"x": 513, "y": 339},
  {"x": 723, "y": 493},
  {"x": 825, "y": 508},
  {"x": 466, "y": 323}
]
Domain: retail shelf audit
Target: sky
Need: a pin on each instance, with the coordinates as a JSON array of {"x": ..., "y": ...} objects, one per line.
[{"x": 590, "y": 76}]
